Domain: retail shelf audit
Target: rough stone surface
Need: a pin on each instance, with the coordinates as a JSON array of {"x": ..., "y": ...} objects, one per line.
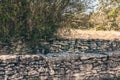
[
  {"x": 77, "y": 67},
  {"x": 83, "y": 45},
  {"x": 63, "y": 45},
  {"x": 67, "y": 59}
]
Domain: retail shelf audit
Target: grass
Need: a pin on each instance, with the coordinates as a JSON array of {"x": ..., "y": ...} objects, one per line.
[{"x": 88, "y": 34}]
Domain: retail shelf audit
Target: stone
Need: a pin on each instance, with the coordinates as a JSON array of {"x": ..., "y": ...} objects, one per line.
[
  {"x": 52, "y": 72},
  {"x": 10, "y": 72},
  {"x": 3, "y": 65},
  {"x": 84, "y": 57},
  {"x": 79, "y": 76},
  {"x": 41, "y": 70},
  {"x": 69, "y": 66},
  {"x": 94, "y": 71},
  {"x": 33, "y": 73},
  {"x": 86, "y": 67},
  {"x": 2, "y": 69},
  {"x": 2, "y": 73}
]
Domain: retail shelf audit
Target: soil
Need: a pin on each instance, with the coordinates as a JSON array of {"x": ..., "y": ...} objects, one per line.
[{"x": 89, "y": 34}]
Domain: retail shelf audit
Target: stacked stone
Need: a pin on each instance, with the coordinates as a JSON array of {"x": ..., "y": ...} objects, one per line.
[
  {"x": 26, "y": 67},
  {"x": 84, "y": 46},
  {"x": 77, "y": 67}
]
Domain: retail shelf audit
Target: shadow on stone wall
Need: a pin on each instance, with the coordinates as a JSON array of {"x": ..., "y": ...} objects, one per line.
[
  {"x": 80, "y": 46},
  {"x": 62, "y": 45}
]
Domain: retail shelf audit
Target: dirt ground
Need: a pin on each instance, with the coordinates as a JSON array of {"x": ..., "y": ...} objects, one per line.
[{"x": 89, "y": 34}]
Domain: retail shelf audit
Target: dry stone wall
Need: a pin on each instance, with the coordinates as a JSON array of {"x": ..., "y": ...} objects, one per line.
[
  {"x": 62, "y": 45},
  {"x": 100, "y": 61},
  {"x": 76, "y": 67},
  {"x": 83, "y": 45}
]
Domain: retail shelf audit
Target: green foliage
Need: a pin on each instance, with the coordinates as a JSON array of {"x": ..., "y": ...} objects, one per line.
[
  {"x": 107, "y": 20},
  {"x": 13, "y": 19},
  {"x": 30, "y": 20},
  {"x": 100, "y": 27},
  {"x": 112, "y": 13}
]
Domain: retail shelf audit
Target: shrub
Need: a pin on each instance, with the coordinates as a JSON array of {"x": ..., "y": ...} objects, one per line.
[{"x": 30, "y": 20}]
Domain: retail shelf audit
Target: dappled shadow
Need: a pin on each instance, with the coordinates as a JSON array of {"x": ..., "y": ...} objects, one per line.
[
  {"x": 83, "y": 45},
  {"x": 62, "y": 45}
]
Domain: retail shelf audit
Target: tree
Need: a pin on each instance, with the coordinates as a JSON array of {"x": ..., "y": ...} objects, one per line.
[
  {"x": 107, "y": 16},
  {"x": 31, "y": 20}
]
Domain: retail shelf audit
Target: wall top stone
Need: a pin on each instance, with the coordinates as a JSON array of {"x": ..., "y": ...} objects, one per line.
[
  {"x": 61, "y": 56},
  {"x": 88, "y": 66}
]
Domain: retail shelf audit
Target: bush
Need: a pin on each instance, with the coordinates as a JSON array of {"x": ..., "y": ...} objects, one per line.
[
  {"x": 107, "y": 20},
  {"x": 100, "y": 27},
  {"x": 30, "y": 20}
]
